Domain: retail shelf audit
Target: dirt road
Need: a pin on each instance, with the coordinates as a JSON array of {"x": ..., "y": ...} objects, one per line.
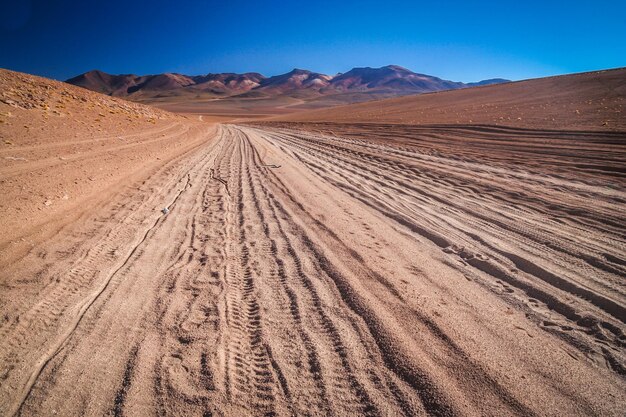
[{"x": 331, "y": 273}]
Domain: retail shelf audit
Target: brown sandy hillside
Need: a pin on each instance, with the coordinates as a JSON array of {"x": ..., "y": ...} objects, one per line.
[
  {"x": 592, "y": 100},
  {"x": 63, "y": 149}
]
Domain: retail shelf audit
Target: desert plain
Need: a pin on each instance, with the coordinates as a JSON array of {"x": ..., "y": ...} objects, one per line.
[{"x": 458, "y": 253}]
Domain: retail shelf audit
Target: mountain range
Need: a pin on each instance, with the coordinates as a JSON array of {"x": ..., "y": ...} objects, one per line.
[{"x": 391, "y": 80}]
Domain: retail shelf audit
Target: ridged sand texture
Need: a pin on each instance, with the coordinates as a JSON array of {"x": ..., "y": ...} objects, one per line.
[{"x": 314, "y": 269}]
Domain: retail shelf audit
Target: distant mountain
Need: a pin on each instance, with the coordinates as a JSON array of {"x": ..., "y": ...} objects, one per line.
[
  {"x": 358, "y": 84},
  {"x": 391, "y": 77},
  {"x": 227, "y": 83},
  {"x": 588, "y": 101},
  {"x": 130, "y": 84},
  {"x": 295, "y": 80},
  {"x": 104, "y": 83},
  {"x": 488, "y": 82},
  {"x": 161, "y": 82}
]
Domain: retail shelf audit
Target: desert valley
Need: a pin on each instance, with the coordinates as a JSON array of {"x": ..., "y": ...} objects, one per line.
[{"x": 453, "y": 253}]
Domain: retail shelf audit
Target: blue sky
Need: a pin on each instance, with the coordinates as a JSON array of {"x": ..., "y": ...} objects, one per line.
[{"x": 457, "y": 40}]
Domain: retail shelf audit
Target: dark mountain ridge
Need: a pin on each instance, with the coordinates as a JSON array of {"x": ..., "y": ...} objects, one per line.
[{"x": 387, "y": 81}]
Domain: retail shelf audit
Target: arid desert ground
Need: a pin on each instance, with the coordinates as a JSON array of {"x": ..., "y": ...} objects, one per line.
[{"x": 451, "y": 254}]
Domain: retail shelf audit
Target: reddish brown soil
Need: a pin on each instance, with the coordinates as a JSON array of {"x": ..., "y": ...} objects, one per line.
[
  {"x": 587, "y": 101},
  {"x": 308, "y": 268}
]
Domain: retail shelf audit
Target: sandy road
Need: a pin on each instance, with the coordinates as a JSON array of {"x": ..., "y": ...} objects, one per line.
[{"x": 308, "y": 274}]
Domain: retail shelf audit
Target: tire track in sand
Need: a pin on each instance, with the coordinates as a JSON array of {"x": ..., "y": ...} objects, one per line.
[{"x": 83, "y": 307}]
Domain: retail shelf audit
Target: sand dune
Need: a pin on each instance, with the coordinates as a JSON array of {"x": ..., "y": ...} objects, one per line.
[{"x": 308, "y": 268}]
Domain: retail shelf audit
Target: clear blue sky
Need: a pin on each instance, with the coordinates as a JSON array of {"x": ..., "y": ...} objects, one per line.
[{"x": 457, "y": 40}]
